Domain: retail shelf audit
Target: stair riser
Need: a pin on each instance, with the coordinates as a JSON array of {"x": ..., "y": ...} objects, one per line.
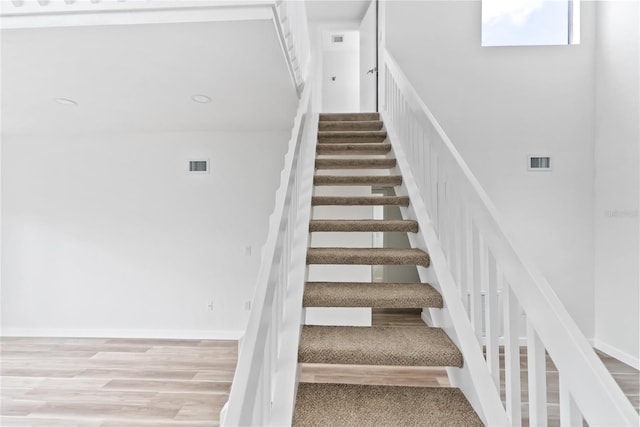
[{"x": 350, "y": 126}]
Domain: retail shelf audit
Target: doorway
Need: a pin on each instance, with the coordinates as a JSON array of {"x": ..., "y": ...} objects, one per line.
[
  {"x": 349, "y": 64},
  {"x": 340, "y": 71}
]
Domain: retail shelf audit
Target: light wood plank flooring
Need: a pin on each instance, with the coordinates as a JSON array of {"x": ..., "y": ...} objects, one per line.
[{"x": 114, "y": 382}]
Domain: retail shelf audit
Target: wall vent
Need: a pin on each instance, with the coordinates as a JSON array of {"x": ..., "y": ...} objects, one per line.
[
  {"x": 337, "y": 38},
  {"x": 539, "y": 163},
  {"x": 198, "y": 166}
]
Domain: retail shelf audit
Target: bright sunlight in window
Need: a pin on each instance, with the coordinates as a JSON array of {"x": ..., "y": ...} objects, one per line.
[{"x": 530, "y": 22}]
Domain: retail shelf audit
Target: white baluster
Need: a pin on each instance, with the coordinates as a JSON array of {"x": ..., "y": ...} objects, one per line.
[
  {"x": 466, "y": 266},
  {"x": 536, "y": 363},
  {"x": 512, "y": 355},
  {"x": 491, "y": 320},
  {"x": 475, "y": 283},
  {"x": 570, "y": 415}
]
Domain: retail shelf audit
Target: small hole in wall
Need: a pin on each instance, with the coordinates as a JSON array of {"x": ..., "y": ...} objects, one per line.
[{"x": 198, "y": 166}]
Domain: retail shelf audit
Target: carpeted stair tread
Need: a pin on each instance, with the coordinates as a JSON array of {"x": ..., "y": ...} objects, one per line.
[
  {"x": 356, "y": 225},
  {"x": 350, "y": 125},
  {"x": 378, "y": 345},
  {"x": 367, "y": 256},
  {"x": 342, "y": 117},
  {"x": 348, "y": 137},
  {"x": 352, "y": 405},
  {"x": 357, "y": 180},
  {"x": 355, "y": 163},
  {"x": 349, "y": 149},
  {"x": 376, "y": 295},
  {"x": 360, "y": 201}
]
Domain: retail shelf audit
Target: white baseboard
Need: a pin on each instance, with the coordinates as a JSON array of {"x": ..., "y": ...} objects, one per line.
[
  {"x": 191, "y": 334},
  {"x": 616, "y": 353}
]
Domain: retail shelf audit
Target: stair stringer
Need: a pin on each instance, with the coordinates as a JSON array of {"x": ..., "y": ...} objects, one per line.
[{"x": 474, "y": 378}]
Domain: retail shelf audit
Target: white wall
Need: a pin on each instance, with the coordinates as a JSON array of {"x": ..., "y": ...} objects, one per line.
[
  {"x": 108, "y": 235},
  {"x": 616, "y": 183},
  {"x": 500, "y": 104}
]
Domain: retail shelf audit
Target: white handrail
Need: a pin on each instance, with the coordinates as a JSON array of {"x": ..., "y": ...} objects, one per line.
[
  {"x": 292, "y": 27},
  {"x": 264, "y": 385},
  {"x": 480, "y": 262}
]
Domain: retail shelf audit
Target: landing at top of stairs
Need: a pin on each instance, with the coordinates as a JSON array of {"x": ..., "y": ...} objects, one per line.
[{"x": 367, "y": 405}]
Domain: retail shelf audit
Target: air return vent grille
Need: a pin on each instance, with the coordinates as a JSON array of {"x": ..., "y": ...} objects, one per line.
[
  {"x": 198, "y": 166},
  {"x": 337, "y": 38},
  {"x": 539, "y": 163}
]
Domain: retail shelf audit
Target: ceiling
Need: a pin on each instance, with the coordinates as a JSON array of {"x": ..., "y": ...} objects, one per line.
[
  {"x": 139, "y": 78},
  {"x": 337, "y": 10}
]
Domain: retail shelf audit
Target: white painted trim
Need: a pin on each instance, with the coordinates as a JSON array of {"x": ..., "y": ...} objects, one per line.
[
  {"x": 616, "y": 353},
  {"x": 190, "y": 334}
]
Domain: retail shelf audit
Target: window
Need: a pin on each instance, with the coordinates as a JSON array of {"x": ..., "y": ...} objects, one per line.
[{"x": 530, "y": 22}]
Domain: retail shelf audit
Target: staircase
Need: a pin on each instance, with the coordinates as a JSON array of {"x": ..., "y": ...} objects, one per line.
[{"x": 356, "y": 142}]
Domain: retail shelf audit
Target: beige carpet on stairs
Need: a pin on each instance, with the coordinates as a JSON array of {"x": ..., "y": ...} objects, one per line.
[
  {"x": 360, "y": 201},
  {"x": 351, "y": 137},
  {"x": 377, "y": 295},
  {"x": 343, "y": 136},
  {"x": 361, "y": 125},
  {"x": 347, "y": 405},
  {"x": 358, "y": 117},
  {"x": 361, "y": 148},
  {"x": 355, "y": 163},
  {"x": 367, "y": 256},
  {"x": 378, "y": 345},
  {"x": 371, "y": 225},
  {"x": 379, "y": 180}
]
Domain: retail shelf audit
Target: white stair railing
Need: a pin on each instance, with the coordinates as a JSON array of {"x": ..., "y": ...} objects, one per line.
[
  {"x": 473, "y": 261},
  {"x": 264, "y": 386}
]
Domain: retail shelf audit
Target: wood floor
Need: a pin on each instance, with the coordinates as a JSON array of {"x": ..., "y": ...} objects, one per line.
[
  {"x": 114, "y": 382},
  {"x": 165, "y": 383}
]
